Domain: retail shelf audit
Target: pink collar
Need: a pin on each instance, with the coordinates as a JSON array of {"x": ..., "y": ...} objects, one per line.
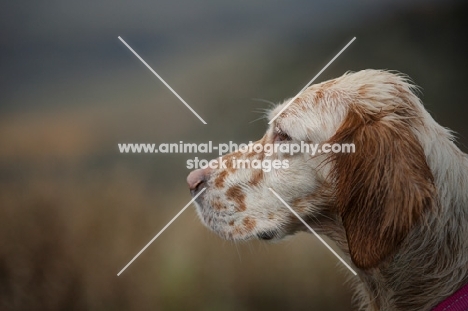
[{"x": 457, "y": 302}]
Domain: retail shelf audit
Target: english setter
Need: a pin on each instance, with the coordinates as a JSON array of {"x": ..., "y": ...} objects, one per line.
[{"x": 397, "y": 207}]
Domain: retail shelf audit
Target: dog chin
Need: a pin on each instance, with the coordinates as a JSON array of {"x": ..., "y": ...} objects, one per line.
[{"x": 271, "y": 235}]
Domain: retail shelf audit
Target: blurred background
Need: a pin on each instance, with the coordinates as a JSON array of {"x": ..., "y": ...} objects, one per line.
[{"x": 74, "y": 211}]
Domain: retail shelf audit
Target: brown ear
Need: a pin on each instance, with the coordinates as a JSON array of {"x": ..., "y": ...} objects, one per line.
[{"x": 383, "y": 188}]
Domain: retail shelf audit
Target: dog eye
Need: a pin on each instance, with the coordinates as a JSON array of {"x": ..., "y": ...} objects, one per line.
[{"x": 281, "y": 136}]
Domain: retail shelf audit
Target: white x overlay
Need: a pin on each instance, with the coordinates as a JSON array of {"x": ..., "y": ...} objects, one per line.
[
  {"x": 162, "y": 230},
  {"x": 162, "y": 80},
  {"x": 311, "y": 81},
  {"x": 313, "y": 231},
  {"x": 203, "y": 121}
]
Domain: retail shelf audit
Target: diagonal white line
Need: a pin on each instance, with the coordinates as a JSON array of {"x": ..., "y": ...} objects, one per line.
[
  {"x": 313, "y": 79},
  {"x": 162, "y": 80},
  {"x": 313, "y": 231},
  {"x": 162, "y": 230}
]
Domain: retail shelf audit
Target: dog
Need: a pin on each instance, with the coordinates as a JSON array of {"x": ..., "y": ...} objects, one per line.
[{"x": 397, "y": 206}]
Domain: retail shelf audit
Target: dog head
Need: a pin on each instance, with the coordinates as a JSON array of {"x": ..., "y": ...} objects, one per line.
[{"x": 374, "y": 195}]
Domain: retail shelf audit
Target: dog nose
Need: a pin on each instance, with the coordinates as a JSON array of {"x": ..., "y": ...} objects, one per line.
[{"x": 197, "y": 179}]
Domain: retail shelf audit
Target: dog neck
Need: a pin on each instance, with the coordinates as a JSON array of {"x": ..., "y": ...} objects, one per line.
[{"x": 432, "y": 263}]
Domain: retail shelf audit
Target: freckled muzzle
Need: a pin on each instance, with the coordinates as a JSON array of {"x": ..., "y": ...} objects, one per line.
[{"x": 223, "y": 206}]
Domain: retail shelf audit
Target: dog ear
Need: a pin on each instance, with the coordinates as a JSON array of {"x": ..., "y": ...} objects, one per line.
[{"x": 383, "y": 188}]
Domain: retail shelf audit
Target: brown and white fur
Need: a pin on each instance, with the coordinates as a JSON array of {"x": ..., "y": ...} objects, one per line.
[{"x": 397, "y": 207}]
